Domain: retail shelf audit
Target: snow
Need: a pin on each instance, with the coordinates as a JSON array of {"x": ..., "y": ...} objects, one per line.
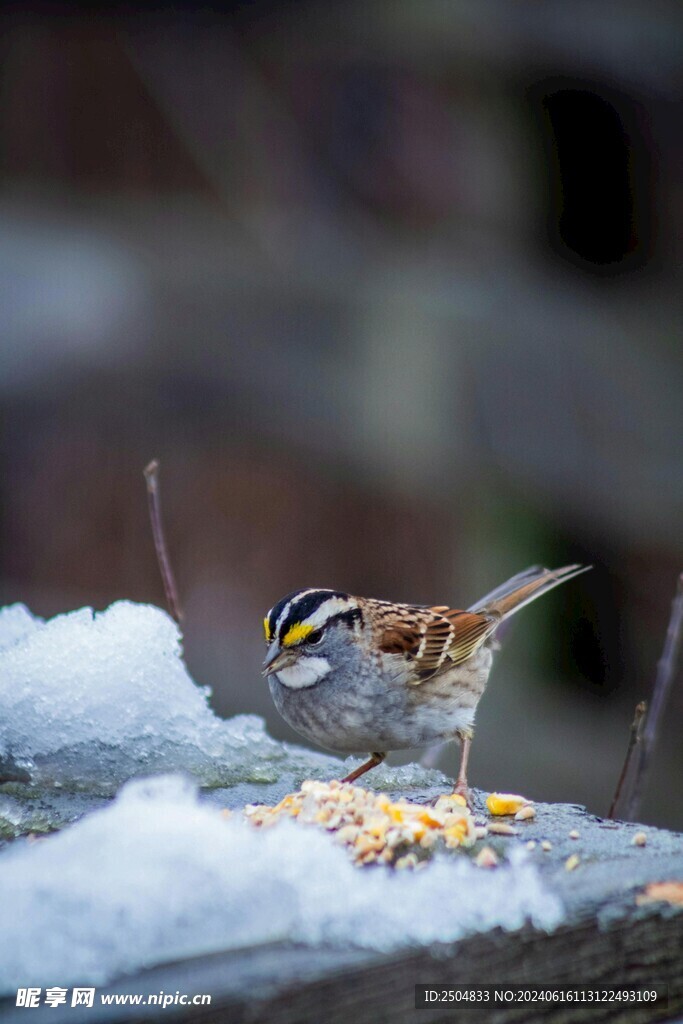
[
  {"x": 392, "y": 779},
  {"x": 16, "y": 623},
  {"x": 157, "y": 875},
  {"x": 88, "y": 700}
]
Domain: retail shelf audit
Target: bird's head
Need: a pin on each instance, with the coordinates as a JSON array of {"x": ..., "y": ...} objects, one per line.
[{"x": 307, "y": 633}]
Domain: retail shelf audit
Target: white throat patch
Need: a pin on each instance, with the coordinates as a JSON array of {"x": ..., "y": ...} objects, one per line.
[{"x": 306, "y": 672}]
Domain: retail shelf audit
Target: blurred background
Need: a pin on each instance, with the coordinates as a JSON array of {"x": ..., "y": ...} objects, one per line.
[{"x": 393, "y": 292}]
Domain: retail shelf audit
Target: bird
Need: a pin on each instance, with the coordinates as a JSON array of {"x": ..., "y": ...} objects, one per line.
[{"x": 359, "y": 674}]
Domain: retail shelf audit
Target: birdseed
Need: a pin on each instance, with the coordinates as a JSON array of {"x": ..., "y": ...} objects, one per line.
[
  {"x": 486, "y": 858},
  {"x": 501, "y": 828},
  {"x": 373, "y": 828},
  {"x": 505, "y": 803}
]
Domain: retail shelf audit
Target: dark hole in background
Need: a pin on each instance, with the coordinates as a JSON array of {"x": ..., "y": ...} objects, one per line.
[
  {"x": 583, "y": 642},
  {"x": 598, "y": 174}
]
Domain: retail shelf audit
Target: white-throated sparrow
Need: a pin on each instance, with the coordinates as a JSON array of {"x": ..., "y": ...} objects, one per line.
[{"x": 354, "y": 673}]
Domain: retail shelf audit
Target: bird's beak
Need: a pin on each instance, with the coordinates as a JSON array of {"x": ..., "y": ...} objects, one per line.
[{"x": 276, "y": 659}]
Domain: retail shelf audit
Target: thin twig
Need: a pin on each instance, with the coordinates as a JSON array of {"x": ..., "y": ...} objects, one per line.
[
  {"x": 666, "y": 670},
  {"x": 633, "y": 741},
  {"x": 152, "y": 477}
]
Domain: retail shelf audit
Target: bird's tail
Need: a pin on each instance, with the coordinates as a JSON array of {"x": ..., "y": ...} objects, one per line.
[{"x": 526, "y": 586}]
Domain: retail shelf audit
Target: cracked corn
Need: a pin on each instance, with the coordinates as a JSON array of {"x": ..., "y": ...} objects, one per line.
[
  {"x": 373, "y": 828},
  {"x": 505, "y": 803}
]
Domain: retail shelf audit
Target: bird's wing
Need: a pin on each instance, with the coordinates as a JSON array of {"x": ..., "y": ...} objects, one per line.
[
  {"x": 435, "y": 639},
  {"x": 432, "y": 639}
]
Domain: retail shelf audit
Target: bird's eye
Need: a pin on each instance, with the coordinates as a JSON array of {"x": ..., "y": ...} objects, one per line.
[{"x": 314, "y": 638}]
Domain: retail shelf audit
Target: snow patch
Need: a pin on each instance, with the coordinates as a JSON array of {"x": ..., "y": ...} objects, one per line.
[
  {"x": 16, "y": 623},
  {"x": 158, "y": 876},
  {"x": 88, "y": 700}
]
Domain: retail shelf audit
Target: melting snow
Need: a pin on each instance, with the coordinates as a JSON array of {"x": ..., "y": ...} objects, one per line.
[
  {"x": 157, "y": 876},
  {"x": 88, "y": 700}
]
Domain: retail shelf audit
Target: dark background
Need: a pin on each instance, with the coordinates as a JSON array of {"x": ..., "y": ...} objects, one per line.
[{"x": 392, "y": 289}]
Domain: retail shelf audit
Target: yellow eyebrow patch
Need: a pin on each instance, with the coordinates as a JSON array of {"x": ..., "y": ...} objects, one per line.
[
  {"x": 295, "y": 634},
  {"x": 266, "y": 629}
]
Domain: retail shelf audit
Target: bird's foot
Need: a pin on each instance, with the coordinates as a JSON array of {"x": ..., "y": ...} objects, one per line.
[{"x": 462, "y": 789}]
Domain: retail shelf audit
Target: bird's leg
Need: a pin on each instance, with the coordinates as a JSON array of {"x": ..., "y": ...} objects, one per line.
[
  {"x": 461, "y": 786},
  {"x": 373, "y": 761}
]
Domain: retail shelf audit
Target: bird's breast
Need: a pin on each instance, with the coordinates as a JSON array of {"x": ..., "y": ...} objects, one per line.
[{"x": 373, "y": 708}]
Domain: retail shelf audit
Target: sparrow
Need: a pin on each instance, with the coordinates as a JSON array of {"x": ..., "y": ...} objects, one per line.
[{"x": 356, "y": 673}]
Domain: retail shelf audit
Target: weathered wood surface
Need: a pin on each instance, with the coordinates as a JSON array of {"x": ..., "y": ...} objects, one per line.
[{"x": 607, "y": 940}]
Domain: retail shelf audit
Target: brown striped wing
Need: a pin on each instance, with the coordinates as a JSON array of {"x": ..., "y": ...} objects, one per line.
[{"x": 434, "y": 639}]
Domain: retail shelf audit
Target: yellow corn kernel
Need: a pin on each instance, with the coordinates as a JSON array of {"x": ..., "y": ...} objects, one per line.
[
  {"x": 431, "y": 820},
  {"x": 458, "y": 798},
  {"x": 446, "y": 802},
  {"x": 453, "y": 835},
  {"x": 505, "y": 803}
]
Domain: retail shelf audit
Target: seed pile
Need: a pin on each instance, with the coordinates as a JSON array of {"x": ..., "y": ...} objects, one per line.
[
  {"x": 377, "y": 830},
  {"x": 373, "y": 828}
]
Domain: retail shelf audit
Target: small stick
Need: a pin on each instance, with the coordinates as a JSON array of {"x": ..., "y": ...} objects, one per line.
[
  {"x": 666, "y": 670},
  {"x": 152, "y": 477},
  {"x": 634, "y": 739}
]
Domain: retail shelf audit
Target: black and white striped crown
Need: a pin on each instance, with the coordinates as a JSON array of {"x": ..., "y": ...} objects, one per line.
[{"x": 303, "y": 612}]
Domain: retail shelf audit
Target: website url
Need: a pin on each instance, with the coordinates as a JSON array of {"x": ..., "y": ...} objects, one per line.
[
  {"x": 57, "y": 995},
  {"x": 163, "y": 999}
]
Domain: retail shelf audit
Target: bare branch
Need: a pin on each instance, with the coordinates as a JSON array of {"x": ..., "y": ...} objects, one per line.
[
  {"x": 152, "y": 477},
  {"x": 633, "y": 741},
  {"x": 666, "y": 670}
]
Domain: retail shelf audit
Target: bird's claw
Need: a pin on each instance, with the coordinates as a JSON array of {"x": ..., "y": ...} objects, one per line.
[{"x": 463, "y": 790}]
